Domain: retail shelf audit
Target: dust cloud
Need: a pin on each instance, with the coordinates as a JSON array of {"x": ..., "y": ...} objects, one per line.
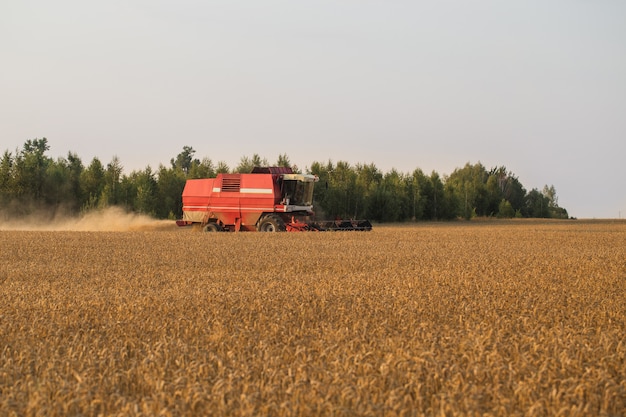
[{"x": 112, "y": 219}]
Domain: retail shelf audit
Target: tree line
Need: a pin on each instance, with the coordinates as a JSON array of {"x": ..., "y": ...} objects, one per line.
[{"x": 31, "y": 181}]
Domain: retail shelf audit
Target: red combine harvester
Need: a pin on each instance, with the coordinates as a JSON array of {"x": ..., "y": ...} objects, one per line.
[{"x": 270, "y": 199}]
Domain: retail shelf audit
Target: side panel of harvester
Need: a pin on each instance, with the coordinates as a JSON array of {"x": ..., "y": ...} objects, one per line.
[
  {"x": 259, "y": 194},
  {"x": 236, "y": 200},
  {"x": 197, "y": 200}
]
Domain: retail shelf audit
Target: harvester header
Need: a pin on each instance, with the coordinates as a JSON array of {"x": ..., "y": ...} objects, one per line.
[{"x": 268, "y": 199}]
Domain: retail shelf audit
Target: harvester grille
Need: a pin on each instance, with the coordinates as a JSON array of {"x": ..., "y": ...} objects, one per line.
[{"x": 231, "y": 184}]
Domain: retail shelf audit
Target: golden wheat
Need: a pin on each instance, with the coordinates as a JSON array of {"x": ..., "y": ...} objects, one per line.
[{"x": 494, "y": 318}]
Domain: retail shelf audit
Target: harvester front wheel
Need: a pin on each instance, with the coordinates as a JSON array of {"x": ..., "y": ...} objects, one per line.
[
  {"x": 272, "y": 223},
  {"x": 212, "y": 227}
]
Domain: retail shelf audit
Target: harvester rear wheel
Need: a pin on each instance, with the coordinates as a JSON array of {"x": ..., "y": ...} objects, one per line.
[
  {"x": 212, "y": 227},
  {"x": 272, "y": 223}
]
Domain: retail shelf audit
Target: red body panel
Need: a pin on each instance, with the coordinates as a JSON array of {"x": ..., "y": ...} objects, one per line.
[{"x": 236, "y": 200}]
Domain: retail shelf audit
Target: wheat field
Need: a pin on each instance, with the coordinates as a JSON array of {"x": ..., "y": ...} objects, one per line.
[{"x": 495, "y": 318}]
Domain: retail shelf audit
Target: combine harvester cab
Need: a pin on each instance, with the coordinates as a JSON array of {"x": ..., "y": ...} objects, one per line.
[{"x": 270, "y": 199}]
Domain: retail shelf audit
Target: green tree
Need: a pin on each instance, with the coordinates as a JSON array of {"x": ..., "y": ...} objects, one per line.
[
  {"x": 505, "y": 210},
  {"x": 7, "y": 186},
  {"x": 536, "y": 205},
  {"x": 202, "y": 169},
  {"x": 380, "y": 204},
  {"x": 389, "y": 201},
  {"x": 342, "y": 180},
  {"x": 170, "y": 185},
  {"x": 31, "y": 166},
  {"x": 184, "y": 160},
  {"x": 320, "y": 191},
  {"x": 92, "y": 184},
  {"x": 75, "y": 168},
  {"x": 419, "y": 191},
  {"x": 515, "y": 192},
  {"x": 127, "y": 193},
  {"x": 337, "y": 194},
  {"x": 57, "y": 191},
  {"x": 494, "y": 194},
  {"x": 559, "y": 213},
  {"x": 450, "y": 205},
  {"x": 146, "y": 197},
  {"x": 246, "y": 164},
  {"x": 222, "y": 168},
  {"x": 553, "y": 203},
  {"x": 437, "y": 203},
  {"x": 111, "y": 190},
  {"x": 550, "y": 194},
  {"x": 468, "y": 185},
  {"x": 367, "y": 179},
  {"x": 503, "y": 184},
  {"x": 283, "y": 161}
]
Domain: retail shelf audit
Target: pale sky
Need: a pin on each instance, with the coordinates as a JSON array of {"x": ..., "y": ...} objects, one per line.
[{"x": 536, "y": 86}]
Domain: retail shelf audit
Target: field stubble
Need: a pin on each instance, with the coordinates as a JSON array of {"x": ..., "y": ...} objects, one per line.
[{"x": 510, "y": 318}]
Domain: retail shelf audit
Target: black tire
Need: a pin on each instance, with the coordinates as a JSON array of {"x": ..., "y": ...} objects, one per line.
[
  {"x": 272, "y": 223},
  {"x": 212, "y": 227}
]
